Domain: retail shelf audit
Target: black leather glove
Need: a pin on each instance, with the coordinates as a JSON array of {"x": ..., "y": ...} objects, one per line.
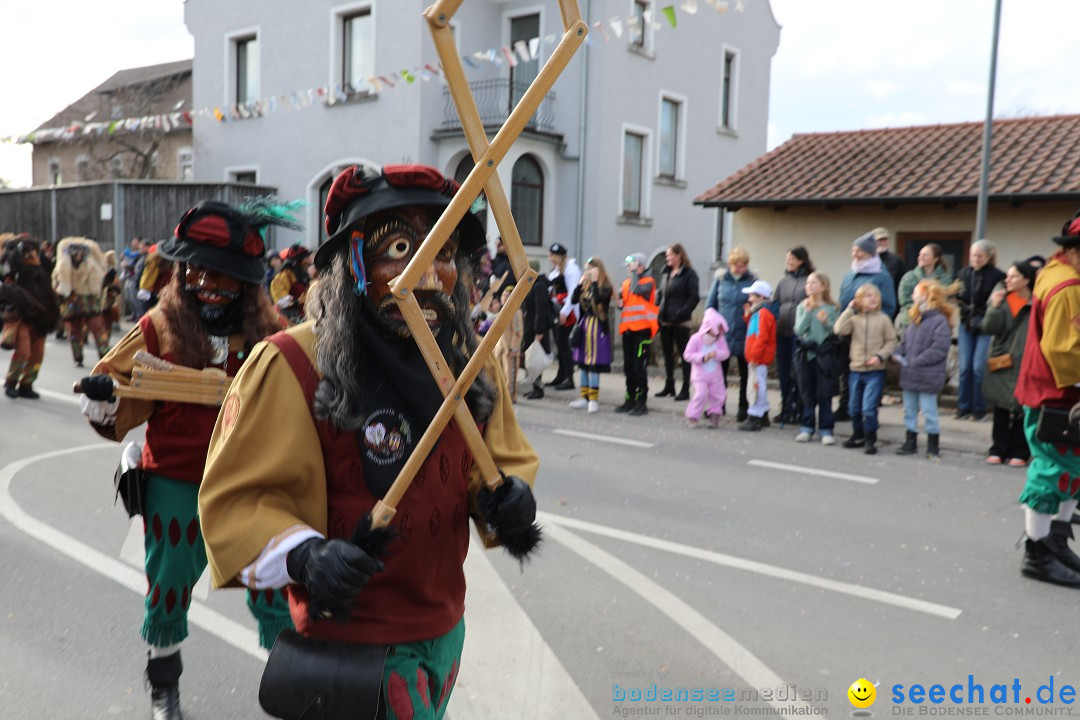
[
  {"x": 511, "y": 507},
  {"x": 333, "y": 571},
  {"x": 98, "y": 387}
]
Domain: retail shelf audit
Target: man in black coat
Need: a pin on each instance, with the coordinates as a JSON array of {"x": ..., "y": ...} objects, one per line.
[
  {"x": 893, "y": 263},
  {"x": 537, "y": 314}
]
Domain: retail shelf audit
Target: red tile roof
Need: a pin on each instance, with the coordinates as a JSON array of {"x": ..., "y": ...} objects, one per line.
[{"x": 1031, "y": 158}]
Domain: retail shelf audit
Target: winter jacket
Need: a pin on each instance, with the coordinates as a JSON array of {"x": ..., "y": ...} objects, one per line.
[
  {"x": 679, "y": 296},
  {"x": 977, "y": 286},
  {"x": 924, "y": 351},
  {"x": 871, "y": 334},
  {"x": 1009, "y": 337},
  {"x": 712, "y": 322},
  {"x": 907, "y": 286},
  {"x": 853, "y": 281},
  {"x": 809, "y": 329},
  {"x": 760, "y": 336},
  {"x": 726, "y": 297},
  {"x": 790, "y": 291}
]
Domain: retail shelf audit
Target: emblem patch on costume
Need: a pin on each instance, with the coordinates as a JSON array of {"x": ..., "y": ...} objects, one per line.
[
  {"x": 386, "y": 436},
  {"x": 229, "y": 412}
]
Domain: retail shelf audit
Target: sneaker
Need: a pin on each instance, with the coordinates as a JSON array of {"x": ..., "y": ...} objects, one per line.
[
  {"x": 693, "y": 423},
  {"x": 752, "y": 424},
  {"x": 714, "y": 420},
  {"x": 579, "y": 404},
  {"x": 1017, "y": 462},
  {"x": 594, "y": 406},
  {"x": 828, "y": 440},
  {"x": 961, "y": 415},
  {"x": 978, "y": 417},
  {"x": 993, "y": 459},
  {"x": 802, "y": 437}
]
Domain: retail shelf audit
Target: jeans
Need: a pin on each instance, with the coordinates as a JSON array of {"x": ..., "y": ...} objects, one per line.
[
  {"x": 864, "y": 393},
  {"x": 973, "y": 349},
  {"x": 916, "y": 402},
  {"x": 811, "y": 402},
  {"x": 785, "y": 368}
]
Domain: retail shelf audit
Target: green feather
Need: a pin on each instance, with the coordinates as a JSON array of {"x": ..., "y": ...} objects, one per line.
[{"x": 263, "y": 210}]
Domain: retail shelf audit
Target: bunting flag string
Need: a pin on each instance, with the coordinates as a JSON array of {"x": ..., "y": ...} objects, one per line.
[{"x": 520, "y": 51}]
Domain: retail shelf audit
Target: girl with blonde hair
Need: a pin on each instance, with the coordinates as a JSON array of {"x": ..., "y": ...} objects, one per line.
[
  {"x": 922, "y": 355},
  {"x": 816, "y": 359},
  {"x": 591, "y": 337}
]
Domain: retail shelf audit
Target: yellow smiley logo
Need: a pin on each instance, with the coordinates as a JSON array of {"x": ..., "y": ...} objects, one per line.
[{"x": 861, "y": 693}]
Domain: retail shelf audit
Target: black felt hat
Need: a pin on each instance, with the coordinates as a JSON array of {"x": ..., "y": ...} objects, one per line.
[{"x": 218, "y": 237}]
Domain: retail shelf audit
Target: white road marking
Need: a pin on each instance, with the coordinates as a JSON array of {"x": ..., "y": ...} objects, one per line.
[
  {"x": 70, "y": 398},
  {"x": 232, "y": 632},
  {"x": 731, "y": 561},
  {"x": 602, "y": 438},
  {"x": 814, "y": 471},
  {"x": 741, "y": 661},
  {"x": 506, "y": 664}
]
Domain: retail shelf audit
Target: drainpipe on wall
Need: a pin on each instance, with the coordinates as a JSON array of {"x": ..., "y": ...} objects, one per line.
[{"x": 579, "y": 240}]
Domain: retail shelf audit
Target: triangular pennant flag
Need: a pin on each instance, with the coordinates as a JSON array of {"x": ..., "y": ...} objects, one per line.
[
  {"x": 669, "y": 13},
  {"x": 470, "y": 62},
  {"x": 599, "y": 25},
  {"x": 432, "y": 69},
  {"x": 616, "y": 26},
  {"x": 739, "y": 6},
  {"x": 220, "y": 116},
  {"x": 689, "y": 7},
  {"x": 166, "y": 125},
  {"x": 409, "y": 77},
  {"x": 509, "y": 56},
  {"x": 534, "y": 48},
  {"x": 633, "y": 22},
  {"x": 375, "y": 81},
  {"x": 480, "y": 55},
  {"x": 522, "y": 51},
  {"x": 425, "y": 75},
  {"x": 550, "y": 39},
  {"x": 387, "y": 81},
  {"x": 495, "y": 58}
]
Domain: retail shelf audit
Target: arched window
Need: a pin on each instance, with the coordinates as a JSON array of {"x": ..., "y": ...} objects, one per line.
[
  {"x": 527, "y": 200},
  {"x": 463, "y": 169}
]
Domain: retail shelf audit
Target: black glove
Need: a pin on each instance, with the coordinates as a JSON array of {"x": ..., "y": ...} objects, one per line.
[
  {"x": 511, "y": 507},
  {"x": 98, "y": 387},
  {"x": 333, "y": 571}
]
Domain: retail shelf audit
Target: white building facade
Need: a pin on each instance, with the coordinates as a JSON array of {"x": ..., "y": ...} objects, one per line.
[{"x": 645, "y": 113}]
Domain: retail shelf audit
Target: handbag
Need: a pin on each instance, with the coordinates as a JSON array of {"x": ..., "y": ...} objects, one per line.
[
  {"x": 1054, "y": 427},
  {"x": 999, "y": 362},
  {"x": 310, "y": 679},
  {"x": 129, "y": 481},
  {"x": 574, "y": 338}
]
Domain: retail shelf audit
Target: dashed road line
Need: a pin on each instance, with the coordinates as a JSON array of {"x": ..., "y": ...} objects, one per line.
[
  {"x": 803, "y": 470},
  {"x": 603, "y": 438}
]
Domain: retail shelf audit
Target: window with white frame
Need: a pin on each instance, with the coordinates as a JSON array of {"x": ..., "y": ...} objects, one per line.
[
  {"x": 185, "y": 164},
  {"x": 524, "y": 30},
  {"x": 246, "y": 177},
  {"x": 633, "y": 174},
  {"x": 247, "y": 68},
  {"x": 727, "y": 90},
  {"x": 357, "y": 49},
  {"x": 671, "y": 138},
  {"x": 639, "y": 26}
]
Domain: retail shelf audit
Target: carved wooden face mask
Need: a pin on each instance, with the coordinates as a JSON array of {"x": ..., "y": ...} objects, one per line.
[{"x": 392, "y": 239}]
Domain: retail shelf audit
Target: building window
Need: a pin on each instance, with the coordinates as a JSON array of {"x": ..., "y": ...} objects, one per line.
[
  {"x": 358, "y": 50},
  {"x": 185, "y": 165},
  {"x": 727, "y": 92},
  {"x": 670, "y": 137},
  {"x": 82, "y": 169},
  {"x": 245, "y": 177},
  {"x": 633, "y": 162},
  {"x": 247, "y": 69},
  {"x": 527, "y": 200},
  {"x": 460, "y": 174},
  {"x": 54, "y": 172},
  {"x": 116, "y": 167},
  {"x": 639, "y": 27},
  {"x": 522, "y": 30}
]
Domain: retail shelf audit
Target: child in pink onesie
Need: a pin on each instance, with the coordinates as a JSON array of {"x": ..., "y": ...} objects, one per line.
[{"x": 705, "y": 351}]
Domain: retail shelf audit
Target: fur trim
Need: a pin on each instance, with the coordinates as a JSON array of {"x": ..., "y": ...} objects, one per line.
[{"x": 87, "y": 278}]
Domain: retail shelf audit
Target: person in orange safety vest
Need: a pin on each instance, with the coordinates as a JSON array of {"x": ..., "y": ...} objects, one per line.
[{"x": 638, "y": 326}]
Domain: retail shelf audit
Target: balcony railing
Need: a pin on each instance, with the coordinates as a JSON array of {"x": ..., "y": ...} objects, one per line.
[{"x": 494, "y": 100}]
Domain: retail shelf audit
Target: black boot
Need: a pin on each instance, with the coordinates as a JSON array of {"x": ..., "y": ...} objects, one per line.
[
  {"x": 669, "y": 389},
  {"x": 627, "y": 406},
  {"x": 10, "y": 390},
  {"x": 27, "y": 391},
  {"x": 163, "y": 675},
  {"x": 871, "y": 443},
  {"x": 910, "y": 446},
  {"x": 857, "y": 440},
  {"x": 684, "y": 394},
  {"x": 1041, "y": 563},
  {"x": 639, "y": 408},
  {"x": 932, "y": 450},
  {"x": 1060, "y": 534}
]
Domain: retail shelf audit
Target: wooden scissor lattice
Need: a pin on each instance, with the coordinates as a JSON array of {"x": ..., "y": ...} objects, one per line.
[{"x": 484, "y": 177}]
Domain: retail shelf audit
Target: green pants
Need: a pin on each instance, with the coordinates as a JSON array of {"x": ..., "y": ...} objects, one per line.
[
  {"x": 176, "y": 559},
  {"x": 1053, "y": 475},
  {"x": 419, "y": 676}
]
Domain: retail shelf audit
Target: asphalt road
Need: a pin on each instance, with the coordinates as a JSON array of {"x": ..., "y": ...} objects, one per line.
[{"x": 707, "y": 559}]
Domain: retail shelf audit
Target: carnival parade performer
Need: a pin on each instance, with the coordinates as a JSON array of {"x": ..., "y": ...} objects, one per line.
[
  {"x": 77, "y": 279},
  {"x": 33, "y": 314},
  {"x": 211, "y": 315},
  {"x": 1048, "y": 386},
  {"x": 281, "y": 498},
  {"x": 289, "y": 287}
]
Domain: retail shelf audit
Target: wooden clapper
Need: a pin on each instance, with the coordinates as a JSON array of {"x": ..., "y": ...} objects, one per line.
[
  {"x": 157, "y": 379},
  {"x": 484, "y": 176}
]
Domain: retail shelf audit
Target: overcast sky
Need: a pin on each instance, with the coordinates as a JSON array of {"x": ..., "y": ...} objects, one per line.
[{"x": 841, "y": 65}]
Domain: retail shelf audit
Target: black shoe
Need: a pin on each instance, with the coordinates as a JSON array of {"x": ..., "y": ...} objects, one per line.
[
  {"x": 780, "y": 419},
  {"x": 163, "y": 676},
  {"x": 638, "y": 410},
  {"x": 765, "y": 421},
  {"x": 536, "y": 393},
  {"x": 165, "y": 703},
  {"x": 932, "y": 450},
  {"x": 961, "y": 415},
  {"x": 625, "y": 407},
  {"x": 27, "y": 391},
  {"x": 857, "y": 440},
  {"x": 1058, "y": 540},
  {"x": 566, "y": 384},
  {"x": 668, "y": 391},
  {"x": 871, "y": 444},
  {"x": 555, "y": 382},
  {"x": 910, "y": 446},
  {"x": 751, "y": 424},
  {"x": 684, "y": 394},
  {"x": 978, "y": 417},
  {"x": 842, "y": 416},
  {"x": 741, "y": 416},
  {"x": 11, "y": 391},
  {"x": 1040, "y": 563}
]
